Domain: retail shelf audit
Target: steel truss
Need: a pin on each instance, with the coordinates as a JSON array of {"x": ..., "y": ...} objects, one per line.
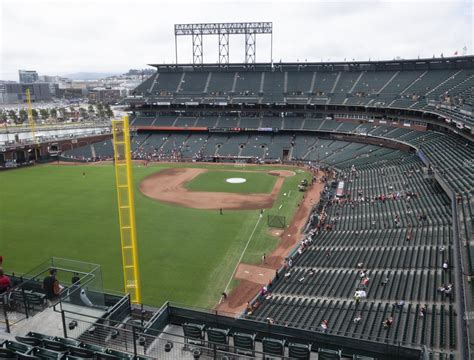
[{"x": 223, "y": 31}]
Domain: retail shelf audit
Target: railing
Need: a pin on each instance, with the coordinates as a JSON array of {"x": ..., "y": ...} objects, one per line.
[{"x": 134, "y": 339}]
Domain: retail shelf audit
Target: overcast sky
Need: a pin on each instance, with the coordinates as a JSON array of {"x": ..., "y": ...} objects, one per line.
[{"x": 67, "y": 36}]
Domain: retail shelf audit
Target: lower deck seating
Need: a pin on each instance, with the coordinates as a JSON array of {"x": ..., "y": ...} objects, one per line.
[{"x": 389, "y": 237}]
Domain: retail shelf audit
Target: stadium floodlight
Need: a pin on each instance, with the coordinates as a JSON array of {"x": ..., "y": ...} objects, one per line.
[{"x": 223, "y": 30}]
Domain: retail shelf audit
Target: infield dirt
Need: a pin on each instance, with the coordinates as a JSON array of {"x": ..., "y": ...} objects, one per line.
[{"x": 169, "y": 186}]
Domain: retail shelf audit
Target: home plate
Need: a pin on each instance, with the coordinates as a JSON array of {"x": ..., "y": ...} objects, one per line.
[
  {"x": 245, "y": 271},
  {"x": 260, "y": 274}
]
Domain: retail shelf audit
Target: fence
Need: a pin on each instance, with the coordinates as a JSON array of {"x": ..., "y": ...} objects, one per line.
[
  {"x": 129, "y": 337},
  {"x": 132, "y": 336}
]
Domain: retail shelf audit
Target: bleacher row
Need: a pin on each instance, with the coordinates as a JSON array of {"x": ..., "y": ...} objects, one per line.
[
  {"x": 316, "y": 122},
  {"x": 408, "y": 89},
  {"x": 399, "y": 244}
]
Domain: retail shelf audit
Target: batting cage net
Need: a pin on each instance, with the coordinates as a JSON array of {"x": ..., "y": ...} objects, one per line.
[{"x": 276, "y": 221}]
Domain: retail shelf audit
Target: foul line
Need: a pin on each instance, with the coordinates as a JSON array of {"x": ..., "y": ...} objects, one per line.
[{"x": 243, "y": 252}]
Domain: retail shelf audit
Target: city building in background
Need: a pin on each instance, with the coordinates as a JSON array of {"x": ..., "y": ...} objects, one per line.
[
  {"x": 12, "y": 93},
  {"x": 27, "y": 76}
]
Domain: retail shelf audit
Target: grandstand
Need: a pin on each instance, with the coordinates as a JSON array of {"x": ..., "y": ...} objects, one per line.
[{"x": 398, "y": 133}]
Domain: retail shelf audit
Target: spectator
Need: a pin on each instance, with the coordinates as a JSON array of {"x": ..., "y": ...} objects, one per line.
[
  {"x": 77, "y": 295},
  {"x": 388, "y": 322},
  {"x": 399, "y": 305},
  {"x": 5, "y": 282},
  {"x": 1, "y": 260},
  {"x": 357, "y": 319},
  {"x": 324, "y": 325},
  {"x": 445, "y": 265},
  {"x": 249, "y": 309},
  {"x": 51, "y": 285},
  {"x": 448, "y": 289},
  {"x": 423, "y": 311}
]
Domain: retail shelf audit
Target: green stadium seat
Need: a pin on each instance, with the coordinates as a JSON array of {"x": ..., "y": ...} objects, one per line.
[
  {"x": 194, "y": 333},
  {"x": 244, "y": 342},
  {"x": 274, "y": 347},
  {"x": 299, "y": 351},
  {"x": 218, "y": 337}
]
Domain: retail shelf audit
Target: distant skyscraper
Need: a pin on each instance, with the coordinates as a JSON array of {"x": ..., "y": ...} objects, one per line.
[{"x": 28, "y": 76}]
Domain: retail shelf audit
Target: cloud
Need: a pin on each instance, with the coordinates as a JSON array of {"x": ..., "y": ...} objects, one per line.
[{"x": 57, "y": 37}]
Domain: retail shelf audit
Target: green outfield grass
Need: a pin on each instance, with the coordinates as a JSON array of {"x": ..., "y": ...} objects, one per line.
[
  {"x": 186, "y": 255},
  {"x": 215, "y": 180}
]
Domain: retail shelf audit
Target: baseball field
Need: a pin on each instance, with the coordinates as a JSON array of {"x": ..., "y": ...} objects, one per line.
[{"x": 188, "y": 250}]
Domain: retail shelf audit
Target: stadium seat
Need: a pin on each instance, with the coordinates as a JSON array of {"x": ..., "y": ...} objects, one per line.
[
  {"x": 55, "y": 346},
  {"x": 118, "y": 354},
  {"x": 273, "y": 346},
  {"x": 299, "y": 351},
  {"x": 244, "y": 342},
  {"x": 194, "y": 333},
  {"x": 326, "y": 354},
  {"x": 92, "y": 347},
  {"x": 80, "y": 352},
  {"x": 17, "y": 347},
  {"x": 45, "y": 354},
  {"x": 7, "y": 354},
  {"x": 218, "y": 337},
  {"x": 32, "y": 341},
  {"x": 68, "y": 342}
]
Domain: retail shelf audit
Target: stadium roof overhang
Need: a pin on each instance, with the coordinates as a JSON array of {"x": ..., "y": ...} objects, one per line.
[{"x": 458, "y": 62}]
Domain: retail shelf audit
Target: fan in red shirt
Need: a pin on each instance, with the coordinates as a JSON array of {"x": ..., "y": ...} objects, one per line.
[{"x": 5, "y": 282}]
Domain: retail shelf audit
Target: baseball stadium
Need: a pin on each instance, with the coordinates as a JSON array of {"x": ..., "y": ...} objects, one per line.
[{"x": 316, "y": 210}]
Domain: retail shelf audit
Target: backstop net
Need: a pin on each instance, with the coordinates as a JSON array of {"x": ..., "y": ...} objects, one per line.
[{"x": 276, "y": 221}]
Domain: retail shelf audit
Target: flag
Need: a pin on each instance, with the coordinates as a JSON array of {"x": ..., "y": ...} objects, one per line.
[{"x": 455, "y": 53}]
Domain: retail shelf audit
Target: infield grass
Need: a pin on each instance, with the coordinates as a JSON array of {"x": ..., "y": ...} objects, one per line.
[
  {"x": 215, "y": 181},
  {"x": 186, "y": 255}
]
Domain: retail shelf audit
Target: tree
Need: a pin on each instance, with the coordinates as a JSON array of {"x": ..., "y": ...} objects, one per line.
[
  {"x": 83, "y": 113},
  {"x": 101, "y": 113},
  {"x": 34, "y": 113},
  {"x": 90, "y": 109},
  {"x": 62, "y": 113},
  {"x": 54, "y": 113},
  {"x": 23, "y": 116},
  {"x": 13, "y": 115},
  {"x": 109, "y": 113},
  {"x": 3, "y": 116},
  {"x": 100, "y": 107},
  {"x": 44, "y": 114}
]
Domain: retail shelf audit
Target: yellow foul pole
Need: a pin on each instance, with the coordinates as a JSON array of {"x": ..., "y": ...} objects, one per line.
[{"x": 126, "y": 208}]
